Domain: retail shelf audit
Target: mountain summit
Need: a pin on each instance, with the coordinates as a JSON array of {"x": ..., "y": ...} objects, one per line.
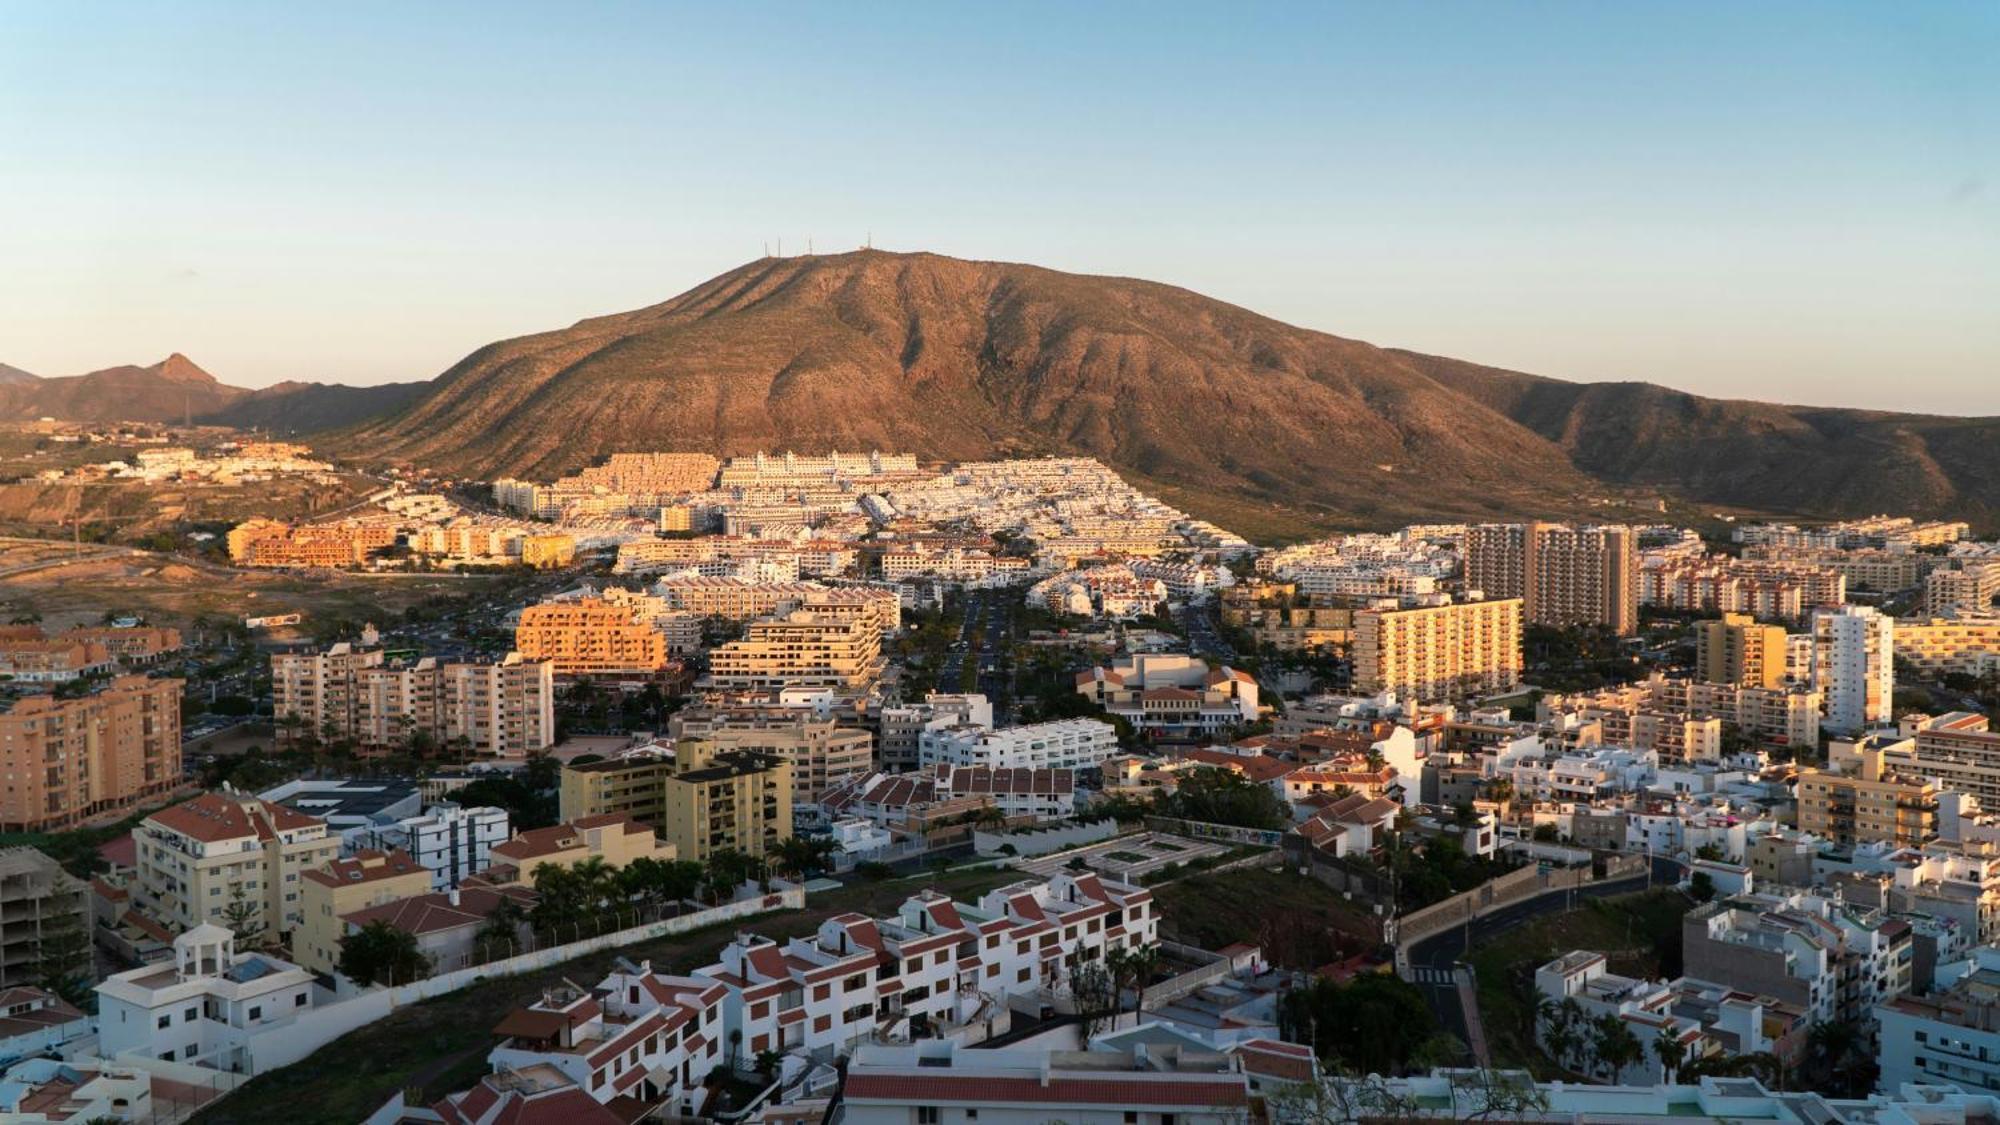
[
  {"x": 165, "y": 391},
  {"x": 956, "y": 359}
]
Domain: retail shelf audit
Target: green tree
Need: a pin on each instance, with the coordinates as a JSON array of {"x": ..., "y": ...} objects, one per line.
[
  {"x": 63, "y": 958},
  {"x": 803, "y": 855},
  {"x": 1671, "y": 1052},
  {"x": 729, "y": 869},
  {"x": 1095, "y": 994},
  {"x": 502, "y": 927},
  {"x": 1219, "y": 796},
  {"x": 657, "y": 882},
  {"x": 1616, "y": 1046},
  {"x": 1701, "y": 886},
  {"x": 379, "y": 952},
  {"x": 243, "y": 915},
  {"x": 1372, "y": 1024}
]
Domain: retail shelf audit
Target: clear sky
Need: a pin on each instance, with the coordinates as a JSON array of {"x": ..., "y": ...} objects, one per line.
[{"x": 1798, "y": 201}]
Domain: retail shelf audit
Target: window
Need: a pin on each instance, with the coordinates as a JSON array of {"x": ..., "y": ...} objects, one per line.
[
  {"x": 927, "y": 1115},
  {"x": 1131, "y": 1118},
  {"x": 188, "y": 1016},
  {"x": 257, "y": 1013},
  {"x": 164, "y": 1021}
]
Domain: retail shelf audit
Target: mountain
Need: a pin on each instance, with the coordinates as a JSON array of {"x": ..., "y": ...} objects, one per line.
[
  {"x": 1792, "y": 459},
  {"x": 1242, "y": 419},
  {"x": 167, "y": 391},
  {"x": 10, "y": 375},
  {"x": 305, "y": 408},
  {"x": 953, "y": 359}
]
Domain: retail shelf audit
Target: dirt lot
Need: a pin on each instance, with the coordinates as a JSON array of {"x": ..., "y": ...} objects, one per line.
[{"x": 171, "y": 590}]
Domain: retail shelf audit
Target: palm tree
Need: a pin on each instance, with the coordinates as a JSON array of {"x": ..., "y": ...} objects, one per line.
[
  {"x": 1617, "y": 1047},
  {"x": 503, "y": 924},
  {"x": 1671, "y": 1052}
]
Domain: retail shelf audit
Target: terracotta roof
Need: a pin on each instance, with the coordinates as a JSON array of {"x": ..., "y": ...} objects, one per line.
[
  {"x": 49, "y": 1011},
  {"x": 435, "y": 912},
  {"x": 1009, "y": 781},
  {"x": 120, "y": 852},
  {"x": 1277, "y": 1059},
  {"x": 367, "y": 866},
  {"x": 1256, "y": 767},
  {"x": 537, "y": 842},
  {"x": 945, "y": 1086},
  {"x": 214, "y": 817}
]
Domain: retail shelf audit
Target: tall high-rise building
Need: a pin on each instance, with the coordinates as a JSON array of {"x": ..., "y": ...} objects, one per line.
[
  {"x": 592, "y": 637},
  {"x": 1564, "y": 575},
  {"x": 498, "y": 709},
  {"x": 68, "y": 760},
  {"x": 1439, "y": 651},
  {"x": 1854, "y": 666},
  {"x": 1737, "y": 650},
  {"x": 802, "y": 649}
]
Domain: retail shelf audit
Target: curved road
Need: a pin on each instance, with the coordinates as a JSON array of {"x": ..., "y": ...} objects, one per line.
[{"x": 1434, "y": 961}]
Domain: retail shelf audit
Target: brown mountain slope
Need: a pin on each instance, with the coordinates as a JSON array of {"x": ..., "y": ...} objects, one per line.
[
  {"x": 1810, "y": 460},
  {"x": 10, "y": 374},
  {"x": 956, "y": 359},
  {"x": 305, "y": 408},
  {"x": 166, "y": 391}
]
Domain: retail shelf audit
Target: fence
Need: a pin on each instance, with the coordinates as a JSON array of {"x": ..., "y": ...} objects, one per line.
[{"x": 281, "y": 1046}]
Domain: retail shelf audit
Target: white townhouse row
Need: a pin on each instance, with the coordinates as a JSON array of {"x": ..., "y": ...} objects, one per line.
[
  {"x": 946, "y": 963},
  {"x": 639, "y": 1034}
]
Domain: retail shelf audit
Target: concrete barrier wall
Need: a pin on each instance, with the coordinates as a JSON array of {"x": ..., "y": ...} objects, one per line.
[
  {"x": 1194, "y": 980},
  {"x": 281, "y": 1046},
  {"x": 1042, "y": 841},
  {"x": 1506, "y": 890}
]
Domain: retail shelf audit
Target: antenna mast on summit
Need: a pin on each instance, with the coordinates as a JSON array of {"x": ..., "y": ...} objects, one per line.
[{"x": 809, "y": 246}]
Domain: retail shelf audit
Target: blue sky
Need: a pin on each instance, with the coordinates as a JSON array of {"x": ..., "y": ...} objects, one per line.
[{"x": 1796, "y": 201}]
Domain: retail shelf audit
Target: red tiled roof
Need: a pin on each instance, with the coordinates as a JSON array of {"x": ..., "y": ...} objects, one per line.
[
  {"x": 435, "y": 912},
  {"x": 121, "y": 852},
  {"x": 214, "y": 817},
  {"x": 945, "y": 1086},
  {"x": 367, "y": 866}
]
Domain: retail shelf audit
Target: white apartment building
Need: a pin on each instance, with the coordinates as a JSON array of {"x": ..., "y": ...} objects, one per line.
[
  {"x": 1063, "y": 744},
  {"x": 204, "y": 1007},
  {"x": 903, "y": 724},
  {"x": 1950, "y": 1038},
  {"x": 1854, "y": 649},
  {"x": 450, "y": 841}
]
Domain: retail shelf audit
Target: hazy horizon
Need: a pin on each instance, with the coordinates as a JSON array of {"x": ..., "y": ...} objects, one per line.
[{"x": 1795, "y": 203}]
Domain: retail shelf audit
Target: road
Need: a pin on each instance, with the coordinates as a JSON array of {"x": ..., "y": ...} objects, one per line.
[
  {"x": 1434, "y": 960},
  {"x": 991, "y": 612},
  {"x": 1204, "y": 636}
]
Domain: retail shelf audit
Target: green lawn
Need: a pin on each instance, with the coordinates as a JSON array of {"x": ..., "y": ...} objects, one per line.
[
  {"x": 440, "y": 1045},
  {"x": 1639, "y": 932}
]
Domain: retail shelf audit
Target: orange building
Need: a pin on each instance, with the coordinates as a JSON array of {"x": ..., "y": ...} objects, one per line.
[
  {"x": 67, "y": 760},
  {"x": 592, "y": 637}
]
